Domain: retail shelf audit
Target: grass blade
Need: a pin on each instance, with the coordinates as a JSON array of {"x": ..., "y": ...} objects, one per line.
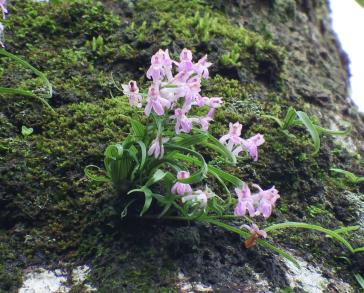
[
  {"x": 311, "y": 129},
  {"x": 331, "y": 233},
  {"x": 261, "y": 242},
  {"x": 358, "y": 277}
]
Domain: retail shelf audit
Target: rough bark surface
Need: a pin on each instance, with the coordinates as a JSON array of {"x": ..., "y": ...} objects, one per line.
[{"x": 268, "y": 55}]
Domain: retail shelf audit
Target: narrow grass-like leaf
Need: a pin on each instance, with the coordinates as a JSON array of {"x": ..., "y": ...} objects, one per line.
[
  {"x": 114, "y": 151},
  {"x": 261, "y": 242},
  {"x": 333, "y": 132},
  {"x": 346, "y": 229},
  {"x": 199, "y": 175},
  {"x": 138, "y": 128},
  {"x": 311, "y": 129},
  {"x": 350, "y": 176},
  {"x": 33, "y": 69},
  {"x": 191, "y": 140},
  {"x": 357, "y": 276},
  {"x": 226, "y": 176},
  {"x": 360, "y": 2},
  {"x": 329, "y": 232},
  {"x": 276, "y": 119},
  {"x": 156, "y": 177},
  {"x": 218, "y": 173},
  {"x": 289, "y": 118},
  {"x": 148, "y": 195},
  {"x": 25, "y": 93},
  {"x": 360, "y": 249},
  {"x": 89, "y": 173},
  {"x": 143, "y": 149},
  {"x": 217, "y": 146}
]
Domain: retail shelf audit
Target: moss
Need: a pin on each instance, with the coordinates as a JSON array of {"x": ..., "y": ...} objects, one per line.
[
  {"x": 43, "y": 191},
  {"x": 10, "y": 265}
]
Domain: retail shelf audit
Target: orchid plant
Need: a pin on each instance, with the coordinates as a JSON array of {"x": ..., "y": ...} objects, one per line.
[
  {"x": 18, "y": 91},
  {"x": 164, "y": 161}
]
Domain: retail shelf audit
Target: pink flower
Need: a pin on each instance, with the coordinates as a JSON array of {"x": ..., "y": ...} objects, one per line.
[
  {"x": 155, "y": 101},
  {"x": 254, "y": 229},
  {"x": 204, "y": 122},
  {"x": 183, "y": 124},
  {"x": 167, "y": 65},
  {"x": 251, "y": 145},
  {"x": 202, "y": 66},
  {"x": 161, "y": 64},
  {"x": 185, "y": 63},
  {"x": 3, "y": 8},
  {"x": 215, "y": 102},
  {"x": 245, "y": 201},
  {"x": 132, "y": 92},
  {"x": 200, "y": 196},
  {"x": 201, "y": 101},
  {"x": 260, "y": 203},
  {"x": 156, "y": 147},
  {"x": 192, "y": 92},
  {"x": 1, "y": 34},
  {"x": 266, "y": 200},
  {"x": 182, "y": 188},
  {"x": 233, "y": 137}
]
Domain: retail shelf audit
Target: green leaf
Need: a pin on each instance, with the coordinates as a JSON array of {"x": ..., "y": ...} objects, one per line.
[
  {"x": 148, "y": 198},
  {"x": 276, "y": 119},
  {"x": 311, "y": 129},
  {"x": 360, "y": 2},
  {"x": 137, "y": 128},
  {"x": 26, "y": 131},
  {"x": 33, "y": 69},
  {"x": 199, "y": 175},
  {"x": 331, "y": 233},
  {"x": 357, "y": 276},
  {"x": 217, "y": 146},
  {"x": 360, "y": 249},
  {"x": 190, "y": 140},
  {"x": 158, "y": 176},
  {"x": 334, "y": 132},
  {"x": 289, "y": 118},
  {"x": 114, "y": 151},
  {"x": 350, "y": 176},
  {"x": 143, "y": 149},
  {"x": 219, "y": 174},
  {"x": 261, "y": 242},
  {"x": 25, "y": 93},
  {"x": 226, "y": 176},
  {"x": 90, "y": 173},
  {"x": 346, "y": 229}
]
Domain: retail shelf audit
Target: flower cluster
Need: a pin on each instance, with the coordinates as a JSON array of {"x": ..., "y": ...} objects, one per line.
[
  {"x": 4, "y": 12},
  {"x": 260, "y": 203},
  {"x": 174, "y": 90},
  {"x": 185, "y": 190},
  {"x": 175, "y": 93},
  {"x": 236, "y": 144}
]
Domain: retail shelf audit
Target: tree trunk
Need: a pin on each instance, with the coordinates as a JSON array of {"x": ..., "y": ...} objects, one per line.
[{"x": 267, "y": 55}]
